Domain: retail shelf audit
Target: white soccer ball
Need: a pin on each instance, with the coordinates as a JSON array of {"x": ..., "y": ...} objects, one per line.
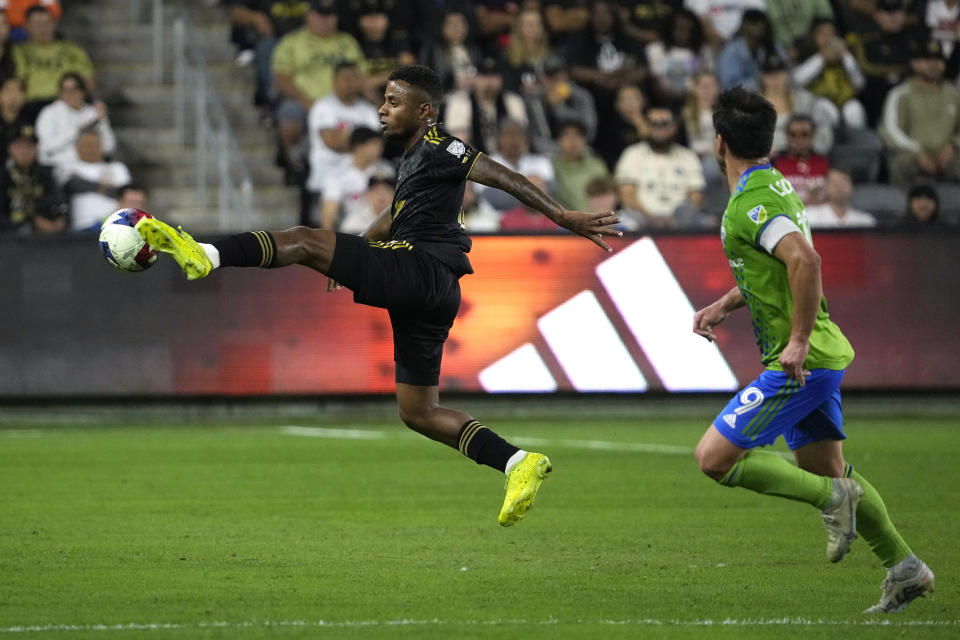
[{"x": 121, "y": 243}]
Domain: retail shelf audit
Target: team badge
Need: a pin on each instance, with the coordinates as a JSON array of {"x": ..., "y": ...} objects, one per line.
[
  {"x": 758, "y": 214},
  {"x": 457, "y": 148}
]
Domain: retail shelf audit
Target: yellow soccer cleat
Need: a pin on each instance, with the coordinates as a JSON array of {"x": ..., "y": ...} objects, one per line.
[
  {"x": 523, "y": 481},
  {"x": 178, "y": 244}
]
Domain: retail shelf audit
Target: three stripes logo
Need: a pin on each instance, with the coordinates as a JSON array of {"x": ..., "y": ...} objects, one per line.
[{"x": 655, "y": 310}]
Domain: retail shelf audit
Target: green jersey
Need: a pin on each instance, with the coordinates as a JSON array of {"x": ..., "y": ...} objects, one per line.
[{"x": 762, "y": 210}]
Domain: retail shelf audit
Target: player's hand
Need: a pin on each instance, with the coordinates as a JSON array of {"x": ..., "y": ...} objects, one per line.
[
  {"x": 792, "y": 357},
  {"x": 333, "y": 285},
  {"x": 592, "y": 226},
  {"x": 707, "y": 318}
]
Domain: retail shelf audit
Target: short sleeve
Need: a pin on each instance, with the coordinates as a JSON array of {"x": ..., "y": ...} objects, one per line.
[{"x": 454, "y": 158}]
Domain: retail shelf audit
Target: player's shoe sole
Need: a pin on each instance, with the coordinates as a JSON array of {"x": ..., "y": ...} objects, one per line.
[
  {"x": 897, "y": 594},
  {"x": 523, "y": 482},
  {"x": 841, "y": 519},
  {"x": 178, "y": 244}
]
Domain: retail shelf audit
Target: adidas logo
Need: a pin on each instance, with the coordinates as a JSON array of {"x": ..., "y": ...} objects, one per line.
[{"x": 588, "y": 347}]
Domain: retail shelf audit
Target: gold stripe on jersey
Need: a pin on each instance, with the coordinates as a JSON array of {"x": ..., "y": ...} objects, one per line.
[
  {"x": 397, "y": 207},
  {"x": 472, "y": 164},
  {"x": 433, "y": 136},
  {"x": 392, "y": 244},
  {"x": 467, "y": 435},
  {"x": 266, "y": 248}
]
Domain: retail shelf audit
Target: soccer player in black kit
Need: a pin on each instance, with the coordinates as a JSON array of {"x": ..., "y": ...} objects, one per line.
[{"x": 409, "y": 262}]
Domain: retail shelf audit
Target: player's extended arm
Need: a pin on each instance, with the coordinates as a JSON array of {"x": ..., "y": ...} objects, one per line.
[
  {"x": 707, "y": 318},
  {"x": 592, "y": 226},
  {"x": 803, "y": 270}
]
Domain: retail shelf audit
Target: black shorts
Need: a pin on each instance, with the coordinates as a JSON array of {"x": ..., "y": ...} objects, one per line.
[{"x": 421, "y": 293}]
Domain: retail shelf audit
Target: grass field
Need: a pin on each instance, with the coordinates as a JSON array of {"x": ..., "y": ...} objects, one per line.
[{"x": 356, "y": 528}]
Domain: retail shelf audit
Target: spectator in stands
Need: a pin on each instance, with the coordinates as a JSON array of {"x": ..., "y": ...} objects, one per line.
[
  {"x": 513, "y": 151},
  {"x": 660, "y": 179},
  {"x": 132, "y": 196},
  {"x": 942, "y": 20},
  {"x": 602, "y": 196},
  {"x": 678, "y": 56},
  {"x": 565, "y": 19},
  {"x": 16, "y": 15},
  {"x": 721, "y": 18},
  {"x": 836, "y": 211},
  {"x": 740, "y": 60},
  {"x": 303, "y": 69},
  {"x": 453, "y": 55},
  {"x": 604, "y": 58},
  {"x": 478, "y": 215},
  {"x": 8, "y": 65},
  {"x": 494, "y": 19},
  {"x": 362, "y": 213},
  {"x": 923, "y": 205},
  {"x": 883, "y": 54},
  {"x": 384, "y": 47},
  {"x": 574, "y": 166},
  {"x": 333, "y": 119},
  {"x": 557, "y": 99},
  {"x": 475, "y": 115},
  {"x": 832, "y": 72},
  {"x": 921, "y": 122},
  {"x": 60, "y": 122},
  {"x": 344, "y": 188},
  {"x": 42, "y": 61},
  {"x": 648, "y": 20},
  {"x": 627, "y": 126},
  {"x": 805, "y": 169},
  {"x": 527, "y": 50},
  {"x": 11, "y": 114},
  {"x": 789, "y": 101},
  {"x": 29, "y": 197},
  {"x": 697, "y": 117},
  {"x": 792, "y": 22},
  {"x": 91, "y": 183},
  {"x": 266, "y": 21}
]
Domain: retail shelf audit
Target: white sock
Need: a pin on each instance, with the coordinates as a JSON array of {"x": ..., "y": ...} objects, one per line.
[
  {"x": 514, "y": 459},
  {"x": 212, "y": 253}
]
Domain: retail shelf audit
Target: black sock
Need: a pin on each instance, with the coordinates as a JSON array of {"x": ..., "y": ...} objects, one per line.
[
  {"x": 479, "y": 443},
  {"x": 252, "y": 249}
]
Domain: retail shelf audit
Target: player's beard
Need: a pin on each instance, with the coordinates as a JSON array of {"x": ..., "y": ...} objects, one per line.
[{"x": 722, "y": 162}]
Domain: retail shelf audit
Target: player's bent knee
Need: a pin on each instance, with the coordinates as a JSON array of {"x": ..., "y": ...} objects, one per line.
[{"x": 711, "y": 464}]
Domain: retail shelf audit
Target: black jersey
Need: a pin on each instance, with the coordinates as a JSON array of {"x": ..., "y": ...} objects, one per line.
[{"x": 428, "y": 202}]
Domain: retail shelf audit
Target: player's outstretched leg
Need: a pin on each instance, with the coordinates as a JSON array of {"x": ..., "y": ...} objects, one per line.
[{"x": 178, "y": 244}]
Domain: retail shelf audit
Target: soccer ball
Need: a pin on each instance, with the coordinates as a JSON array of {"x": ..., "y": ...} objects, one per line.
[{"x": 121, "y": 244}]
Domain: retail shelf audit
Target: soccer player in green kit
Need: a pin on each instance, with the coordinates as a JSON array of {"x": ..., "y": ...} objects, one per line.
[{"x": 767, "y": 241}]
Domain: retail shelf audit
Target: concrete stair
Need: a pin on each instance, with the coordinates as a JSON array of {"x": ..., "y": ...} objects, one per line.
[{"x": 142, "y": 112}]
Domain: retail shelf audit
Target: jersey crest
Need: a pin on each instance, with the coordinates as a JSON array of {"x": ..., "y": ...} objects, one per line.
[
  {"x": 758, "y": 214},
  {"x": 457, "y": 148}
]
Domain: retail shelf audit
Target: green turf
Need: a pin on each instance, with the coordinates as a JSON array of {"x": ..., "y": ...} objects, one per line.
[{"x": 191, "y": 526}]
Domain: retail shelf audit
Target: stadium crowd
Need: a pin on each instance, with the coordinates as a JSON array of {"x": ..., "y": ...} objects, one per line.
[
  {"x": 56, "y": 142},
  {"x": 606, "y": 105}
]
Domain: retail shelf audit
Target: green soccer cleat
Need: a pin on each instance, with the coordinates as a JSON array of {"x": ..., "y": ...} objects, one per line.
[
  {"x": 178, "y": 244},
  {"x": 840, "y": 518},
  {"x": 523, "y": 481}
]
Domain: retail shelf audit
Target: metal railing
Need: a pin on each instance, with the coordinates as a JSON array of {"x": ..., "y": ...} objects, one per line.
[
  {"x": 156, "y": 20},
  {"x": 213, "y": 134}
]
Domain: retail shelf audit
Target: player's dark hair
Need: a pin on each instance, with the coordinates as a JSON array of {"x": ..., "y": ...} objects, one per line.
[
  {"x": 745, "y": 120},
  {"x": 421, "y": 77}
]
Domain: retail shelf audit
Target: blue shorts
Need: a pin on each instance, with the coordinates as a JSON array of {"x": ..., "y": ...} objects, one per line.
[{"x": 774, "y": 405}]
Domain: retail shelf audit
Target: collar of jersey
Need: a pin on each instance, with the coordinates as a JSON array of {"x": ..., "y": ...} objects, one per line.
[{"x": 746, "y": 175}]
